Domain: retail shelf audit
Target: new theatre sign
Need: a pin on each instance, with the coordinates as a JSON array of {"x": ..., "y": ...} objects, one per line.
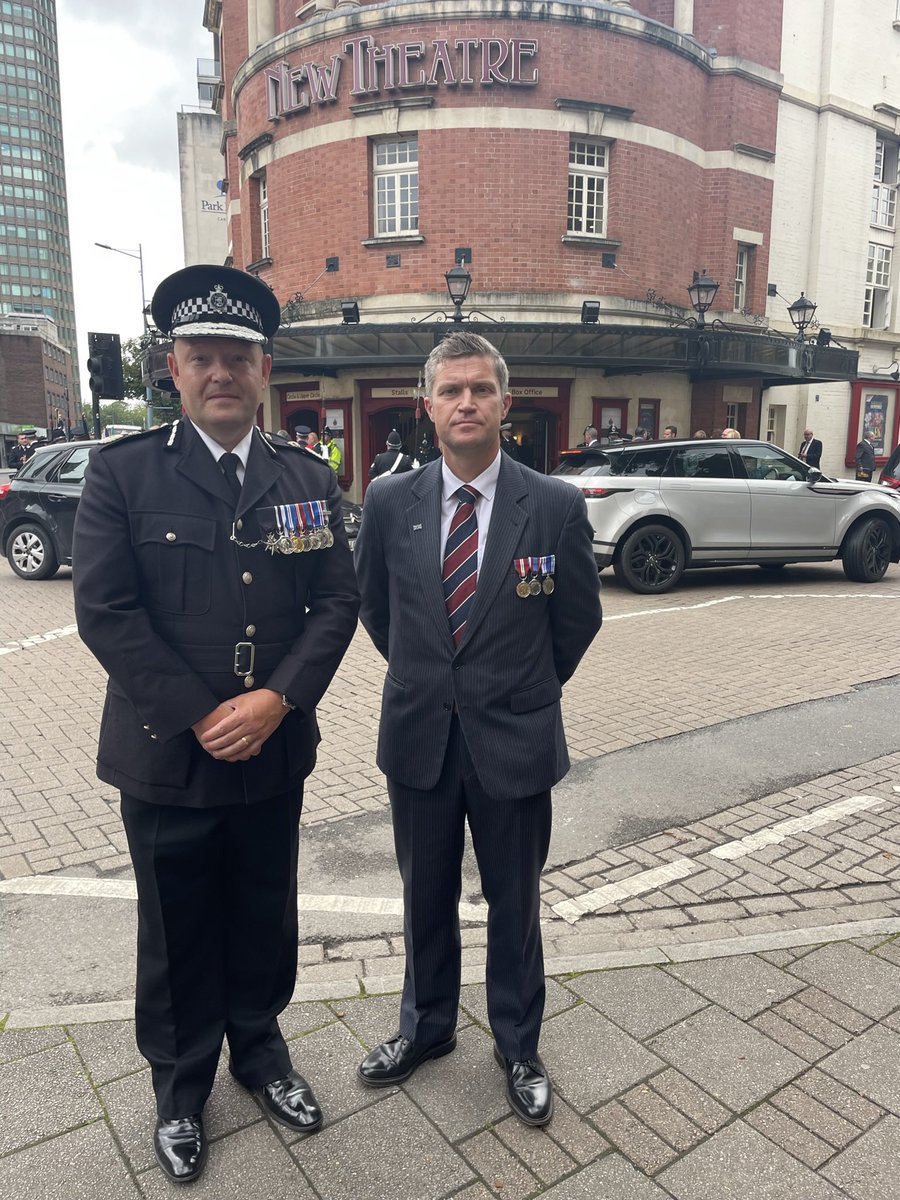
[{"x": 402, "y": 66}]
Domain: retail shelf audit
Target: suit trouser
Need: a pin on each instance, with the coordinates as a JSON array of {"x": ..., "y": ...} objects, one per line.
[
  {"x": 511, "y": 839},
  {"x": 217, "y": 941}
]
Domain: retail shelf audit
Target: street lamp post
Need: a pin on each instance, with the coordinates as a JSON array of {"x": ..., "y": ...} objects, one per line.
[{"x": 148, "y": 394}]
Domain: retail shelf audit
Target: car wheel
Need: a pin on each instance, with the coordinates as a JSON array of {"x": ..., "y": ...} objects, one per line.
[
  {"x": 651, "y": 559},
  {"x": 31, "y": 554},
  {"x": 867, "y": 551}
]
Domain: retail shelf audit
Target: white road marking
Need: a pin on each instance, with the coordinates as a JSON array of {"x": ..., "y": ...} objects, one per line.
[
  {"x": 37, "y": 639},
  {"x": 125, "y": 889},
  {"x": 578, "y": 906},
  {"x": 785, "y": 829}
]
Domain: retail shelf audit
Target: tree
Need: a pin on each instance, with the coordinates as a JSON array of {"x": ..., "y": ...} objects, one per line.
[{"x": 132, "y": 373}]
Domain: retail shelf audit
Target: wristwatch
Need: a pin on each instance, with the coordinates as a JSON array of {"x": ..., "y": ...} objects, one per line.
[{"x": 285, "y": 703}]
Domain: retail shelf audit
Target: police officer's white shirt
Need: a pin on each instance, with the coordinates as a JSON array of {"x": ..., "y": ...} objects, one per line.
[
  {"x": 486, "y": 485},
  {"x": 242, "y": 449}
]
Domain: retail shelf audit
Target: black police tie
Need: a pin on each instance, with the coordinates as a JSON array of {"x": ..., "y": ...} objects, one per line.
[{"x": 228, "y": 464}]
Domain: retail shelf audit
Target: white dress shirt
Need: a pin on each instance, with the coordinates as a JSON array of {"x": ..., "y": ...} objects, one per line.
[
  {"x": 486, "y": 485},
  {"x": 242, "y": 449}
]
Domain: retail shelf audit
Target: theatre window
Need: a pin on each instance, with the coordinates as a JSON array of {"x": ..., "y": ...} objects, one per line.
[
  {"x": 588, "y": 187},
  {"x": 877, "y": 304},
  {"x": 742, "y": 264},
  {"x": 395, "y": 172}
]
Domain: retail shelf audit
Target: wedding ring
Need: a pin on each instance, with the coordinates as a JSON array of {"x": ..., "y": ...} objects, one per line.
[{"x": 246, "y": 741}]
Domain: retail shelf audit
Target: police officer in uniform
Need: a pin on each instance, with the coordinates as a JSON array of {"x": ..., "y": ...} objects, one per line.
[
  {"x": 215, "y": 585},
  {"x": 392, "y": 460}
]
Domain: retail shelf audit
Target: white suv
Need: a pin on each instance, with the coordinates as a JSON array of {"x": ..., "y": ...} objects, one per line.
[{"x": 660, "y": 508}]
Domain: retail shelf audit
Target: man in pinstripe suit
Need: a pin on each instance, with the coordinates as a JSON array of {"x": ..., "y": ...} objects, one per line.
[{"x": 479, "y": 588}]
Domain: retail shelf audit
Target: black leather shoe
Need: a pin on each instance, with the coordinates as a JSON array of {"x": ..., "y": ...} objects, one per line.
[
  {"x": 181, "y": 1148},
  {"x": 291, "y": 1102},
  {"x": 528, "y": 1088},
  {"x": 397, "y": 1058}
]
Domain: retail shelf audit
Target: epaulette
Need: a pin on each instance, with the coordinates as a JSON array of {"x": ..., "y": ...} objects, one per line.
[
  {"x": 280, "y": 444},
  {"x": 131, "y": 438}
]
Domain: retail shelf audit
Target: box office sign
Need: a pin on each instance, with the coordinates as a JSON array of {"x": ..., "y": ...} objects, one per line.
[{"x": 401, "y": 66}]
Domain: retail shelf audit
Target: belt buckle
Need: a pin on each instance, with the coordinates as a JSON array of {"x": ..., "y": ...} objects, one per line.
[{"x": 244, "y": 652}]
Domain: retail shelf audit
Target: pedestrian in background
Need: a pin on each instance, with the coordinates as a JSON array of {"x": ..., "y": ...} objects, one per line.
[
  {"x": 332, "y": 453},
  {"x": 670, "y": 431},
  {"x": 811, "y": 449},
  {"x": 218, "y": 652},
  {"x": 865, "y": 457},
  {"x": 480, "y": 589},
  {"x": 20, "y": 453}
]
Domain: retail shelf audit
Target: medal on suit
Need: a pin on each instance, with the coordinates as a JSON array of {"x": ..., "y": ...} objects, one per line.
[
  {"x": 523, "y": 587},
  {"x": 547, "y": 567}
]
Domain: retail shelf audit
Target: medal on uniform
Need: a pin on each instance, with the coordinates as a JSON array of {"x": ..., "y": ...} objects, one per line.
[
  {"x": 523, "y": 588},
  {"x": 548, "y": 566}
]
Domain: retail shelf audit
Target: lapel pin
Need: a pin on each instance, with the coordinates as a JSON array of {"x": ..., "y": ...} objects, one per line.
[{"x": 415, "y": 527}]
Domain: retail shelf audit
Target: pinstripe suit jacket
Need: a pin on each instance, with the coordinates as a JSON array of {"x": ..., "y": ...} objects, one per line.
[{"x": 505, "y": 678}]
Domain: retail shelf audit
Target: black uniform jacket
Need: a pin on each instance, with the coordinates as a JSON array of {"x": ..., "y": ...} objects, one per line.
[
  {"x": 163, "y": 597},
  {"x": 505, "y": 679}
]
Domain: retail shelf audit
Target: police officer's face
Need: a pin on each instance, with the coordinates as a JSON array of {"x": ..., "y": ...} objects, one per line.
[
  {"x": 466, "y": 404},
  {"x": 222, "y": 382}
]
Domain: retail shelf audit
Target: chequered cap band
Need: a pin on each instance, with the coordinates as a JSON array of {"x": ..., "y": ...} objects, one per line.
[{"x": 200, "y": 309}]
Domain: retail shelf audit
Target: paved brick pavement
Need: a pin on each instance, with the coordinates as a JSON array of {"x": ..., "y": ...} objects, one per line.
[{"x": 54, "y": 814}]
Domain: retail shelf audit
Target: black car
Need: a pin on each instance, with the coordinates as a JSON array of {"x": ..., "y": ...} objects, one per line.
[{"x": 37, "y": 512}]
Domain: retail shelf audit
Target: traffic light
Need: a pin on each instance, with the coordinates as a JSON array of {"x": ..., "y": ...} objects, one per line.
[{"x": 105, "y": 366}]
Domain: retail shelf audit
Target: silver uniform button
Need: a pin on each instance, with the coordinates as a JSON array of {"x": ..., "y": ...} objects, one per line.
[
  {"x": 170, "y": 536},
  {"x": 155, "y": 736},
  {"x": 250, "y": 630},
  {"x": 147, "y": 727},
  {"x": 239, "y": 524},
  {"x": 247, "y": 577},
  {"x": 249, "y": 681}
]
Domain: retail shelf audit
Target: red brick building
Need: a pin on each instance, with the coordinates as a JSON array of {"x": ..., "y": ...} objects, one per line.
[
  {"x": 36, "y": 386},
  {"x": 560, "y": 152}
]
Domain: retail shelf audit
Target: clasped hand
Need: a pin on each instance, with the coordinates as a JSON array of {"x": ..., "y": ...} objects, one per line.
[{"x": 235, "y": 730}]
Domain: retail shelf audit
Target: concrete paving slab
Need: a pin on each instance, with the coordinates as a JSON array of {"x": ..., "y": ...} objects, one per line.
[
  {"x": 305, "y": 1017},
  {"x": 611, "y": 1178},
  {"x": 473, "y": 998},
  {"x": 590, "y": 1059},
  {"x": 44, "y": 1094},
  {"x": 864, "y": 981},
  {"x": 328, "y": 1058},
  {"x": 730, "y": 1060},
  {"x": 464, "y": 1092},
  {"x": 80, "y": 1165},
  {"x": 870, "y": 1065},
  {"x": 867, "y": 1170},
  {"x": 546, "y": 1160},
  {"x": 389, "y": 1149},
  {"x": 740, "y": 1164},
  {"x": 17, "y": 1043},
  {"x": 109, "y": 1050},
  {"x": 642, "y": 1000},
  {"x": 372, "y": 1020},
  {"x": 744, "y": 986},
  {"x": 252, "y": 1164}
]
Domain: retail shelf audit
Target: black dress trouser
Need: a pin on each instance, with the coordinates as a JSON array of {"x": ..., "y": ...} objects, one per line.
[
  {"x": 511, "y": 839},
  {"x": 217, "y": 941}
]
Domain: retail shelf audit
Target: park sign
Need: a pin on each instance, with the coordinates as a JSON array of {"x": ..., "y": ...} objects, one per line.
[{"x": 402, "y": 66}]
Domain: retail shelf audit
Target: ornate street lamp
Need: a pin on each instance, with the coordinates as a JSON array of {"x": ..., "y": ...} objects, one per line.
[
  {"x": 702, "y": 292},
  {"x": 458, "y": 281},
  {"x": 801, "y": 313}
]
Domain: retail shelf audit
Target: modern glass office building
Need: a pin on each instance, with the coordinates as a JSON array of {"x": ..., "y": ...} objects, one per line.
[{"x": 35, "y": 258}]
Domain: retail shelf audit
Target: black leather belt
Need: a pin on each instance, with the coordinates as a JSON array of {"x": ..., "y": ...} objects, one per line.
[{"x": 241, "y": 658}]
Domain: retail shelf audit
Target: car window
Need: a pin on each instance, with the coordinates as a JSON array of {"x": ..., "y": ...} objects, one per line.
[
  {"x": 73, "y": 469},
  {"x": 696, "y": 462},
  {"x": 768, "y": 462},
  {"x": 641, "y": 462},
  {"x": 39, "y": 466},
  {"x": 584, "y": 464}
]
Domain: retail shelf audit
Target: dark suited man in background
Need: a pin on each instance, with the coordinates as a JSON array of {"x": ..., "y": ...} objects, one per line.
[
  {"x": 811, "y": 449},
  {"x": 865, "y": 456},
  {"x": 217, "y": 654},
  {"x": 479, "y": 588}
]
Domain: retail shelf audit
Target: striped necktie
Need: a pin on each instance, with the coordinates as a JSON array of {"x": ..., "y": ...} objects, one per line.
[{"x": 460, "y": 571}]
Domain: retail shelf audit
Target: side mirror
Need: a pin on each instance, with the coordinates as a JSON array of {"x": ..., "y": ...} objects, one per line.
[{"x": 813, "y": 475}]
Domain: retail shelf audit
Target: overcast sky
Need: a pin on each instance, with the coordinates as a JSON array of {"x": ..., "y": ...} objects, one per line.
[{"x": 126, "y": 69}]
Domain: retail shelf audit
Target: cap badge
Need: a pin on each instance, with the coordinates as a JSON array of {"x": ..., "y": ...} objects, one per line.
[{"x": 218, "y": 299}]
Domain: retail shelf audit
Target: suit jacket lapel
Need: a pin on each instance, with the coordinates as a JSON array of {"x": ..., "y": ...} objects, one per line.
[
  {"x": 424, "y": 526},
  {"x": 509, "y": 518},
  {"x": 197, "y": 464}
]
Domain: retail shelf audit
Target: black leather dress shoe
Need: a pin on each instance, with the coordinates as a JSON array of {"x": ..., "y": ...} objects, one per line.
[
  {"x": 291, "y": 1102},
  {"x": 528, "y": 1088},
  {"x": 397, "y": 1058},
  {"x": 181, "y": 1148}
]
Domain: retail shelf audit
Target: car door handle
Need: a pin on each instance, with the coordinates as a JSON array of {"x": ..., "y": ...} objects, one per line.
[{"x": 56, "y": 496}]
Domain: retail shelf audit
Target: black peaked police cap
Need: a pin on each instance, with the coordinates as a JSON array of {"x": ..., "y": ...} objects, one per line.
[{"x": 212, "y": 301}]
